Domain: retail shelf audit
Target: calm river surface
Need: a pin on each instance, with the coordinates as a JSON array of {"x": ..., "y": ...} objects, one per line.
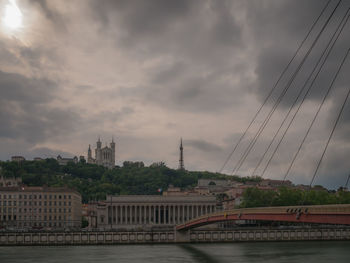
[{"x": 234, "y": 252}]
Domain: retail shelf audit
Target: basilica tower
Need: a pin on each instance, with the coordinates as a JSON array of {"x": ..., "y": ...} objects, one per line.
[{"x": 113, "y": 152}]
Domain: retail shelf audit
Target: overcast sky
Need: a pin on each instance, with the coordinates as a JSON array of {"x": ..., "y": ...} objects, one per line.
[{"x": 151, "y": 72}]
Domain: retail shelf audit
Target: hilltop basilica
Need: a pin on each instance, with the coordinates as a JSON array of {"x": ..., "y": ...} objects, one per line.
[{"x": 103, "y": 156}]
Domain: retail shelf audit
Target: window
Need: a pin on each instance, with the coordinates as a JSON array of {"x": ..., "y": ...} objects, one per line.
[
  {"x": 59, "y": 197},
  {"x": 69, "y": 196}
]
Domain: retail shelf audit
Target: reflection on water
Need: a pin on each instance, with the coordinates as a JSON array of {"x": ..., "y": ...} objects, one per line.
[
  {"x": 310, "y": 252},
  {"x": 199, "y": 255}
]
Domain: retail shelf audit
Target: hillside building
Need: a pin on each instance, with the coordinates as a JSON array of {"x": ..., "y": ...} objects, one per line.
[{"x": 103, "y": 156}]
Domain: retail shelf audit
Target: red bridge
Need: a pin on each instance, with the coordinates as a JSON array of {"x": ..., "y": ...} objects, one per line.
[{"x": 319, "y": 214}]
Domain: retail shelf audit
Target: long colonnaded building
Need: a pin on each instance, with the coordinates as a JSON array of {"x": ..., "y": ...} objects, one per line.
[
  {"x": 39, "y": 207},
  {"x": 133, "y": 211}
]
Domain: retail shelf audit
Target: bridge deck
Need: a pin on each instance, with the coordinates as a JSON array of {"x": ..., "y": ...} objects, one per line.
[{"x": 321, "y": 214}]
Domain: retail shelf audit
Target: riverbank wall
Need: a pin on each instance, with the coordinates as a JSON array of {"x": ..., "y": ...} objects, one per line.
[{"x": 190, "y": 236}]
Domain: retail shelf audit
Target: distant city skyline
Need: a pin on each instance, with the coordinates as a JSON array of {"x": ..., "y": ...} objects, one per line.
[{"x": 151, "y": 72}]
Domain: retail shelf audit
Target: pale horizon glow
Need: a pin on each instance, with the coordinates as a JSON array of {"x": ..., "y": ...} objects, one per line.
[{"x": 13, "y": 15}]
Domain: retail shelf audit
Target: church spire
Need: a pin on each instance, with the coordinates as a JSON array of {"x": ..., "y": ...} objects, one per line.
[{"x": 181, "y": 161}]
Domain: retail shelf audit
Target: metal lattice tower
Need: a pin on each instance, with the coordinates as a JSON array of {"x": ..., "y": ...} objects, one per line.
[{"x": 181, "y": 161}]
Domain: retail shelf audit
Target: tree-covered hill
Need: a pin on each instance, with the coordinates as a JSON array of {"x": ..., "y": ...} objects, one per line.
[
  {"x": 94, "y": 182},
  {"x": 283, "y": 196}
]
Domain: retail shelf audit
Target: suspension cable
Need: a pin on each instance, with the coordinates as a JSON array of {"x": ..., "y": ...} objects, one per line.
[
  {"x": 273, "y": 88},
  {"x": 334, "y": 126},
  {"x": 347, "y": 182},
  {"x": 262, "y": 127},
  {"x": 313, "y": 120},
  {"x": 341, "y": 26}
]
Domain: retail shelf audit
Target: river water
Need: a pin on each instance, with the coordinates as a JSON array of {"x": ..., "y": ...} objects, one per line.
[{"x": 309, "y": 252}]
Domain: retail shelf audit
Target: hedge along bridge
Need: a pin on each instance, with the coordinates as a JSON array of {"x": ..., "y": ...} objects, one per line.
[{"x": 318, "y": 214}]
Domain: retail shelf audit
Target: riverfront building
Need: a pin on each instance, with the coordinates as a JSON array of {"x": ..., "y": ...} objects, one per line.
[
  {"x": 39, "y": 207},
  {"x": 132, "y": 211}
]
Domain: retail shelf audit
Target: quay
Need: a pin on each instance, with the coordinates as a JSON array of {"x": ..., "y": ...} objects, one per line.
[{"x": 173, "y": 236}]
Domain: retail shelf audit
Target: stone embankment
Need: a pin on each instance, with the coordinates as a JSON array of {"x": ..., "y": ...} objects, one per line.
[{"x": 193, "y": 236}]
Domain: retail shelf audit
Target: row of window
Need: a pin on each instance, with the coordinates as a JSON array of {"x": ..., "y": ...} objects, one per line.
[
  {"x": 40, "y": 224},
  {"x": 35, "y": 203},
  {"x": 14, "y": 217},
  {"x": 39, "y": 210},
  {"x": 31, "y": 196}
]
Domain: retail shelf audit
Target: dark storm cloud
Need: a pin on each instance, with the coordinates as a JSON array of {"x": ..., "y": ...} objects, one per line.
[
  {"x": 195, "y": 36},
  {"x": 194, "y": 29},
  {"x": 141, "y": 67},
  {"x": 51, "y": 14},
  {"x": 141, "y": 17},
  {"x": 284, "y": 39},
  {"x": 25, "y": 110}
]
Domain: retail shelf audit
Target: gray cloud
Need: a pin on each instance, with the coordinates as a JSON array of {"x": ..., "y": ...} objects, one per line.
[
  {"x": 150, "y": 72},
  {"x": 203, "y": 145},
  {"x": 26, "y": 112}
]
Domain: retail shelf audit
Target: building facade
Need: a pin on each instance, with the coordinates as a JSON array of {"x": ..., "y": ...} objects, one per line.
[
  {"x": 103, "y": 156},
  {"x": 65, "y": 161},
  {"x": 17, "y": 159},
  {"x": 12, "y": 181},
  {"x": 39, "y": 207},
  {"x": 133, "y": 211}
]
